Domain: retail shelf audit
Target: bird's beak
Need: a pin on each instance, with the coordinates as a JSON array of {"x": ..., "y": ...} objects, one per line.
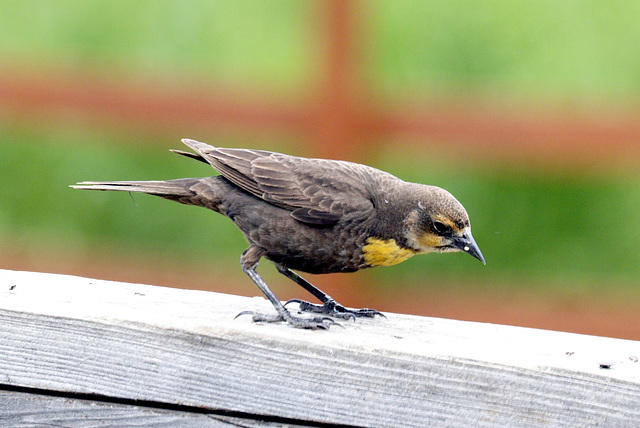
[{"x": 467, "y": 244}]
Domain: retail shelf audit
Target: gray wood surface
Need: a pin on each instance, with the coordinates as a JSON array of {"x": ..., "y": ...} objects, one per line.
[
  {"x": 24, "y": 409},
  {"x": 161, "y": 345},
  {"x": 19, "y": 409}
]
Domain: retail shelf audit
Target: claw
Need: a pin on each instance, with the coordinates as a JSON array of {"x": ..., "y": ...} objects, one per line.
[
  {"x": 332, "y": 322},
  {"x": 369, "y": 313},
  {"x": 258, "y": 317},
  {"x": 243, "y": 313},
  {"x": 294, "y": 301}
]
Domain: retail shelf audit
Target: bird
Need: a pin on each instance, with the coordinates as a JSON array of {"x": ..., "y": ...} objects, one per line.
[{"x": 316, "y": 216}]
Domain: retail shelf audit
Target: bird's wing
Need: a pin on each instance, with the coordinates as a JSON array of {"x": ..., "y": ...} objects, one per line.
[{"x": 316, "y": 191}]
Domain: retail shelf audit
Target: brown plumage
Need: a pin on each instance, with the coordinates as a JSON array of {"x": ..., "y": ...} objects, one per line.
[{"x": 316, "y": 216}]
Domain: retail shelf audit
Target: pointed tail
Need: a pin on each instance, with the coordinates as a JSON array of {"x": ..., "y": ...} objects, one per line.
[
  {"x": 180, "y": 187},
  {"x": 203, "y": 192}
]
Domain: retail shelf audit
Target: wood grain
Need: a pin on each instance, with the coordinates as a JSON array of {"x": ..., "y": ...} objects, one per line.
[
  {"x": 20, "y": 409},
  {"x": 161, "y": 345}
]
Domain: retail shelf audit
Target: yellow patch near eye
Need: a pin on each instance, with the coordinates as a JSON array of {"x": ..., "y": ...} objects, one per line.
[
  {"x": 429, "y": 241},
  {"x": 380, "y": 252}
]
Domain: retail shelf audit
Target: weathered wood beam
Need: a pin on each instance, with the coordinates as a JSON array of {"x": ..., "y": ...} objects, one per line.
[{"x": 124, "y": 342}]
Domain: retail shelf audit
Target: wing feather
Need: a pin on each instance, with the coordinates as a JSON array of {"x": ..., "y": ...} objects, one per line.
[{"x": 316, "y": 191}]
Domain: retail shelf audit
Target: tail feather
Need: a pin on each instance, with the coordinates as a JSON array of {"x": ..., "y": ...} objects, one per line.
[
  {"x": 160, "y": 188},
  {"x": 202, "y": 192},
  {"x": 190, "y": 155}
]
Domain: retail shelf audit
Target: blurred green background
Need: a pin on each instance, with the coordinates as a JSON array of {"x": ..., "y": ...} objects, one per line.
[{"x": 552, "y": 230}]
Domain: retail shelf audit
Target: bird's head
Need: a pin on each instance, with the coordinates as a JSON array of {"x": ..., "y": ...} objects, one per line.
[{"x": 439, "y": 223}]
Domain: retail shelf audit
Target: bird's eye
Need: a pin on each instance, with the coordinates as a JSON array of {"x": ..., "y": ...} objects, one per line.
[{"x": 441, "y": 228}]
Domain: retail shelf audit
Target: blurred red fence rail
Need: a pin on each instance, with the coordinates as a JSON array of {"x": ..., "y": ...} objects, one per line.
[{"x": 337, "y": 119}]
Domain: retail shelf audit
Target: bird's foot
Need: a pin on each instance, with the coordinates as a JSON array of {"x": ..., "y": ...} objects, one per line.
[
  {"x": 316, "y": 323},
  {"x": 336, "y": 310}
]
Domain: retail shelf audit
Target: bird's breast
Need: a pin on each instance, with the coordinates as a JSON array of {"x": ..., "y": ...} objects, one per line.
[{"x": 385, "y": 252}]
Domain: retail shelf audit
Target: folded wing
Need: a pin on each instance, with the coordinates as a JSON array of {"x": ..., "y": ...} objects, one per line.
[{"x": 316, "y": 191}]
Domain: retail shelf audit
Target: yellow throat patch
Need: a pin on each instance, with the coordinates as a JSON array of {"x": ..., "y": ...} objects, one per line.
[{"x": 379, "y": 252}]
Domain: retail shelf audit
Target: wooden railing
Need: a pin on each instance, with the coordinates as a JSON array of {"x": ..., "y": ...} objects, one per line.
[{"x": 75, "y": 350}]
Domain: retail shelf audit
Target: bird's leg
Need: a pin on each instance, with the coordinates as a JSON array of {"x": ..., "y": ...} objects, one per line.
[
  {"x": 249, "y": 262},
  {"x": 329, "y": 306}
]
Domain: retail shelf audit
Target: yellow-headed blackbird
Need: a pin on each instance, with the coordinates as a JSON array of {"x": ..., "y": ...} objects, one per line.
[{"x": 316, "y": 216}]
